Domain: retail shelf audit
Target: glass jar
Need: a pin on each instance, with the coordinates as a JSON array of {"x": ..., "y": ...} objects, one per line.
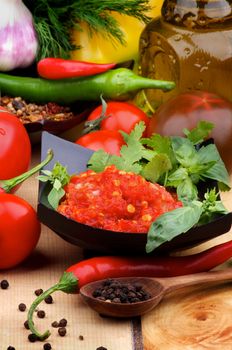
[{"x": 191, "y": 44}]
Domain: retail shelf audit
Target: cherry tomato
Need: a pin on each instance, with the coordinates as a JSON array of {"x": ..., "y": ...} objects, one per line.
[
  {"x": 19, "y": 230},
  {"x": 120, "y": 116},
  {"x": 110, "y": 141},
  {"x": 15, "y": 150},
  {"x": 186, "y": 109}
]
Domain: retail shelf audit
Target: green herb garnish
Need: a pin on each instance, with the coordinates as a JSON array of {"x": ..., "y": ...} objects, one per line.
[
  {"x": 55, "y": 19},
  {"x": 58, "y": 177}
]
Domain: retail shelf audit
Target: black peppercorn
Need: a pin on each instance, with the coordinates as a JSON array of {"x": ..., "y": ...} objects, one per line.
[
  {"x": 55, "y": 324},
  {"x": 22, "y": 307},
  {"x": 10, "y": 348},
  {"x": 41, "y": 314},
  {"x": 26, "y": 325},
  {"x": 38, "y": 291},
  {"x": 4, "y": 284},
  {"x": 32, "y": 337},
  {"x": 81, "y": 337},
  {"x": 47, "y": 346},
  {"x": 62, "y": 331},
  {"x": 48, "y": 299},
  {"x": 63, "y": 322},
  {"x": 101, "y": 348}
]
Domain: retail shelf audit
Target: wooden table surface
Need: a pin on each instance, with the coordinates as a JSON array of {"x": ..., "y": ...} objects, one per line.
[{"x": 196, "y": 318}]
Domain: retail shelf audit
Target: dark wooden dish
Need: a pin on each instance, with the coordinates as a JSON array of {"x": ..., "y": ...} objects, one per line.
[{"x": 102, "y": 241}]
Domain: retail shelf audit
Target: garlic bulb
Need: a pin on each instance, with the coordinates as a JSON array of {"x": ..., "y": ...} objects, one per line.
[{"x": 18, "y": 40}]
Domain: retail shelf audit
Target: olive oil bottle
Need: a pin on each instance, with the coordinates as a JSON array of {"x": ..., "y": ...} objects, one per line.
[{"x": 191, "y": 44}]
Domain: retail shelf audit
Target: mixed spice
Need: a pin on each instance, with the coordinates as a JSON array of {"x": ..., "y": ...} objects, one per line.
[{"x": 32, "y": 112}]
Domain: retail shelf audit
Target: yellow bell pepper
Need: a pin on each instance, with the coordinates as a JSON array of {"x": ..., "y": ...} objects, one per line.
[{"x": 98, "y": 49}]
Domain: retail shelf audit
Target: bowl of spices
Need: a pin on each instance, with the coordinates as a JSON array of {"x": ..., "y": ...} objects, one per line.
[
  {"x": 50, "y": 116},
  {"x": 111, "y": 238}
]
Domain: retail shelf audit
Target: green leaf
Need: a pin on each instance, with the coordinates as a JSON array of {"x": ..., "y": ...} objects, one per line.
[
  {"x": 161, "y": 145},
  {"x": 184, "y": 151},
  {"x": 187, "y": 191},
  {"x": 55, "y": 196},
  {"x": 176, "y": 177},
  {"x": 130, "y": 154},
  {"x": 99, "y": 160},
  {"x": 157, "y": 167},
  {"x": 218, "y": 170},
  {"x": 172, "y": 224},
  {"x": 200, "y": 132}
]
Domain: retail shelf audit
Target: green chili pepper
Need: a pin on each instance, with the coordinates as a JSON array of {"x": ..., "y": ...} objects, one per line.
[{"x": 115, "y": 84}]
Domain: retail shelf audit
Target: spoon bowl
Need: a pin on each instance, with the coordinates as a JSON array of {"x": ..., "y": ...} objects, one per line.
[{"x": 156, "y": 287}]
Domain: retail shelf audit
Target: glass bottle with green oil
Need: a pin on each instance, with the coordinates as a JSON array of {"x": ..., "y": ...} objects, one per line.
[{"x": 191, "y": 44}]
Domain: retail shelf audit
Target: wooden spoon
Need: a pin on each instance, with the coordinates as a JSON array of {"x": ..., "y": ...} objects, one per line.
[{"x": 156, "y": 287}]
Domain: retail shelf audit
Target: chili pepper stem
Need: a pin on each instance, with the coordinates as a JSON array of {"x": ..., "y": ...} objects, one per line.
[
  {"x": 8, "y": 185},
  {"x": 68, "y": 283}
]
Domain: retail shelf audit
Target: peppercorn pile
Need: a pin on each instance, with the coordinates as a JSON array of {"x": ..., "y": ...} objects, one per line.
[{"x": 120, "y": 292}]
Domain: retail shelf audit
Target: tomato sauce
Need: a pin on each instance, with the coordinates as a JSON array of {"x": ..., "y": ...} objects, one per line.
[{"x": 115, "y": 200}]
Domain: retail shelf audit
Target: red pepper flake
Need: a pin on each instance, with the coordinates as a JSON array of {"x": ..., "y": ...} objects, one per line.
[{"x": 116, "y": 200}]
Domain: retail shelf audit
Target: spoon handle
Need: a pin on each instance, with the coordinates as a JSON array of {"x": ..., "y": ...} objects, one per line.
[{"x": 173, "y": 283}]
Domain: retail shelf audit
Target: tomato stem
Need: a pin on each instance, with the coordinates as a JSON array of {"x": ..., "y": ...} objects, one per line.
[{"x": 8, "y": 185}]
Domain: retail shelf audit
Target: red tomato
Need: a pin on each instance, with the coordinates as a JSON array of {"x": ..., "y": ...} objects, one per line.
[
  {"x": 120, "y": 116},
  {"x": 185, "y": 110},
  {"x": 110, "y": 141},
  {"x": 15, "y": 150},
  {"x": 19, "y": 230}
]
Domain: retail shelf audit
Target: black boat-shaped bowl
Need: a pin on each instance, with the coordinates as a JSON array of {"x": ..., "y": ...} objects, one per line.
[{"x": 75, "y": 158}]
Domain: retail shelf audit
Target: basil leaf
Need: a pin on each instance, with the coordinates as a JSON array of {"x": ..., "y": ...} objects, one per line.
[
  {"x": 185, "y": 152},
  {"x": 176, "y": 177},
  {"x": 158, "y": 166},
  {"x": 172, "y": 224},
  {"x": 218, "y": 171},
  {"x": 55, "y": 196},
  {"x": 187, "y": 191}
]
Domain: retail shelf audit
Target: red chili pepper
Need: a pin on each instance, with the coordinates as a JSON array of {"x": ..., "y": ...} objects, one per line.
[
  {"x": 98, "y": 268},
  {"x": 58, "y": 68}
]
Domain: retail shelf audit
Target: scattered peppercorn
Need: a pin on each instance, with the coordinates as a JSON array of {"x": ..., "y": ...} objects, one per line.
[
  {"x": 22, "y": 307},
  {"x": 38, "y": 291},
  {"x": 63, "y": 322},
  {"x": 10, "y": 348},
  {"x": 26, "y": 325},
  {"x": 101, "y": 348},
  {"x": 32, "y": 337},
  {"x": 48, "y": 299},
  {"x": 81, "y": 337},
  {"x": 41, "y": 314},
  {"x": 55, "y": 324},
  {"x": 118, "y": 292},
  {"x": 47, "y": 346},
  {"x": 62, "y": 331},
  {"x": 4, "y": 284}
]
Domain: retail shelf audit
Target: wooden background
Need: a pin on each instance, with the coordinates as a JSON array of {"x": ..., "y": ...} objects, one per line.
[{"x": 196, "y": 318}]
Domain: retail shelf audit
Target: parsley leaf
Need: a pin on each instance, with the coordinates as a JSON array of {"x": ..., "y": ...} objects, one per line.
[
  {"x": 58, "y": 178},
  {"x": 130, "y": 154},
  {"x": 200, "y": 133}
]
